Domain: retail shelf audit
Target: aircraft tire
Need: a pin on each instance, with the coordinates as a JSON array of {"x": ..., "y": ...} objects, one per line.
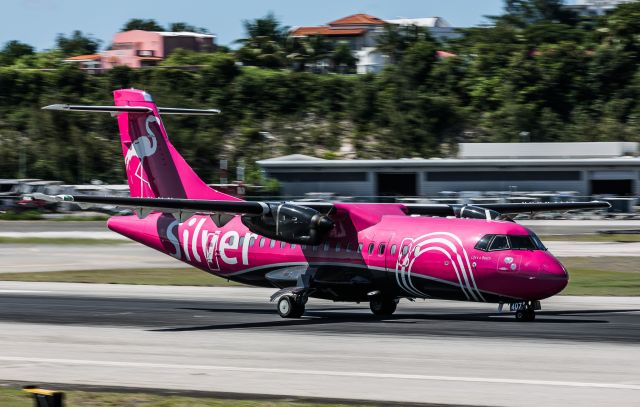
[
  {"x": 383, "y": 306},
  {"x": 289, "y": 307},
  {"x": 526, "y": 315}
]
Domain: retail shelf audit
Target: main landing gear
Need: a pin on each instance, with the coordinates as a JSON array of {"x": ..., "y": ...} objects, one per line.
[
  {"x": 383, "y": 307},
  {"x": 291, "y": 306}
]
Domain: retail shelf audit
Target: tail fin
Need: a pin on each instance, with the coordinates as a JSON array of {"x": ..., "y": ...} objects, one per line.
[{"x": 154, "y": 167}]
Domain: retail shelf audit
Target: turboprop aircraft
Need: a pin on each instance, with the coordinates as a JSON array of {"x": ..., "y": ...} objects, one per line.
[{"x": 354, "y": 252}]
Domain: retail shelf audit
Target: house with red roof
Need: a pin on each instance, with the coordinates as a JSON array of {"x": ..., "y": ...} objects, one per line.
[{"x": 360, "y": 32}]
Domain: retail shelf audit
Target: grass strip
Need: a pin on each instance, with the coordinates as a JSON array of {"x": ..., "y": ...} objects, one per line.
[
  {"x": 61, "y": 241},
  {"x": 622, "y": 238},
  {"x": 10, "y": 397},
  {"x": 187, "y": 276},
  {"x": 602, "y": 283}
]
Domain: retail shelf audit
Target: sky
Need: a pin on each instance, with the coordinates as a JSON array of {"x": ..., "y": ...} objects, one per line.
[{"x": 37, "y": 22}]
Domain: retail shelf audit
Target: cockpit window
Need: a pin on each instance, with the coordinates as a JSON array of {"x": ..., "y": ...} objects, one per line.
[
  {"x": 521, "y": 242},
  {"x": 499, "y": 242},
  {"x": 537, "y": 241},
  {"x": 513, "y": 242},
  {"x": 483, "y": 244}
]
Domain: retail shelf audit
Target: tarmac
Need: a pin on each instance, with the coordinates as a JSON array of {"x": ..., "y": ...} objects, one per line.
[{"x": 580, "y": 351}]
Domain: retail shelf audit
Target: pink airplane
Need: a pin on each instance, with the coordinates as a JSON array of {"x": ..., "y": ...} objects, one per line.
[{"x": 354, "y": 252}]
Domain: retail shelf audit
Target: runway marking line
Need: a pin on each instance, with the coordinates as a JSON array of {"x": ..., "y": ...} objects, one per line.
[
  {"x": 23, "y": 291},
  {"x": 619, "y": 386}
]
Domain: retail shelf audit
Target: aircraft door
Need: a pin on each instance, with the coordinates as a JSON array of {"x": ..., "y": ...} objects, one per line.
[{"x": 381, "y": 256}]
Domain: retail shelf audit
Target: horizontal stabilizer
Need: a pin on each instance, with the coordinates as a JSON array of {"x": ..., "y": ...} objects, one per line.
[
  {"x": 146, "y": 205},
  {"x": 131, "y": 109}
]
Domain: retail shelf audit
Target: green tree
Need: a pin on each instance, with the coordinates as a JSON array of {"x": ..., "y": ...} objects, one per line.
[
  {"x": 524, "y": 12},
  {"x": 13, "y": 50},
  {"x": 343, "y": 59},
  {"x": 142, "y": 24},
  {"x": 181, "y": 26},
  {"x": 76, "y": 44},
  {"x": 264, "y": 44}
]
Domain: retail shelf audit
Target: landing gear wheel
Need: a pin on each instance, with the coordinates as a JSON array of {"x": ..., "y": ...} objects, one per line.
[
  {"x": 290, "y": 307},
  {"x": 526, "y": 315},
  {"x": 383, "y": 306}
]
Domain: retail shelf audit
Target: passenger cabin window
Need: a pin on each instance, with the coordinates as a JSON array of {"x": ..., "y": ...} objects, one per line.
[
  {"x": 405, "y": 250},
  {"x": 262, "y": 242},
  {"x": 241, "y": 241},
  {"x": 381, "y": 248},
  {"x": 348, "y": 247},
  {"x": 393, "y": 249},
  {"x": 326, "y": 247},
  {"x": 499, "y": 242},
  {"x": 272, "y": 244},
  {"x": 359, "y": 247},
  {"x": 371, "y": 246},
  {"x": 293, "y": 245},
  {"x": 337, "y": 247},
  {"x": 282, "y": 245},
  {"x": 252, "y": 241}
]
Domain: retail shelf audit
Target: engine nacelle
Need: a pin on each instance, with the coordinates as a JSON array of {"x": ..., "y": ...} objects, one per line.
[
  {"x": 290, "y": 223},
  {"x": 474, "y": 212}
]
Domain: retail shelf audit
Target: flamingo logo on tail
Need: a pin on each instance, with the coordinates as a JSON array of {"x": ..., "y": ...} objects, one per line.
[{"x": 143, "y": 147}]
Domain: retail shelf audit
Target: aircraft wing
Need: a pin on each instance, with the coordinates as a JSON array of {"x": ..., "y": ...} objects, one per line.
[
  {"x": 504, "y": 208},
  {"x": 257, "y": 208}
]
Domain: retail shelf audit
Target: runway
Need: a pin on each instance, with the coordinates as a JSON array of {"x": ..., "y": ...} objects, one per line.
[{"x": 580, "y": 351}]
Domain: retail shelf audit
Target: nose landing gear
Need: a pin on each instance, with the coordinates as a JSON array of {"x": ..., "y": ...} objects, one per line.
[
  {"x": 526, "y": 311},
  {"x": 526, "y": 315}
]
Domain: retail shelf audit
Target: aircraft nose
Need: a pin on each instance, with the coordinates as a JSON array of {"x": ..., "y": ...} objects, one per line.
[{"x": 553, "y": 274}]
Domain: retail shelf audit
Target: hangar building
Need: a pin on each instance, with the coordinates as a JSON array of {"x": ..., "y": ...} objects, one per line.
[{"x": 587, "y": 168}]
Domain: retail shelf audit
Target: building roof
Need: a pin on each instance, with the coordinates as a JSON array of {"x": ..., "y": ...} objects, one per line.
[
  {"x": 417, "y": 164},
  {"x": 430, "y": 22},
  {"x": 295, "y": 157},
  {"x": 323, "y": 30},
  {"x": 486, "y": 155},
  {"x": 445, "y": 54},
  {"x": 547, "y": 150},
  {"x": 184, "y": 34},
  {"x": 87, "y": 57},
  {"x": 358, "y": 19}
]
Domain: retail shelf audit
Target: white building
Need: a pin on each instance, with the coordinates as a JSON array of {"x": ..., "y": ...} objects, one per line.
[
  {"x": 596, "y": 7},
  {"x": 585, "y": 168},
  {"x": 361, "y": 31}
]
